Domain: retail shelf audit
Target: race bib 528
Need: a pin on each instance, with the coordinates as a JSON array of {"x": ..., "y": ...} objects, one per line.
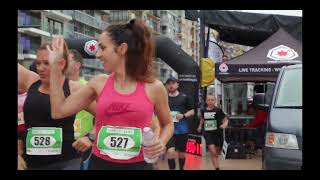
[{"x": 44, "y": 141}]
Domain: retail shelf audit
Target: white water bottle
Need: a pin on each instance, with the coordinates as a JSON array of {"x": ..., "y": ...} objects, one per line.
[{"x": 147, "y": 139}]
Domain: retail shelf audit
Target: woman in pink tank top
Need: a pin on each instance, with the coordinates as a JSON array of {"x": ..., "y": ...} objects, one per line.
[{"x": 126, "y": 99}]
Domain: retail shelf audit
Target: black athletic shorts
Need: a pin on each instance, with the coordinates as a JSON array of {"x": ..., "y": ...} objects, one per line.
[
  {"x": 73, "y": 164},
  {"x": 97, "y": 163},
  {"x": 213, "y": 137},
  {"x": 179, "y": 141}
]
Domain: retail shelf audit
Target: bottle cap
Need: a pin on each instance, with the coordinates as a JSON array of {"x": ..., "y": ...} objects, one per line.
[{"x": 146, "y": 129}]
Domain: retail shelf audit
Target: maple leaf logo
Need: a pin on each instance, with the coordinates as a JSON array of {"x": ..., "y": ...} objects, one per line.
[
  {"x": 92, "y": 47},
  {"x": 282, "y": 53}
]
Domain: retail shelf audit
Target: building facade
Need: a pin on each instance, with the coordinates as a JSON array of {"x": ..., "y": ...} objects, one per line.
[
  {"x": 87, "y": 24},
  {"x": 189, "y": 38},
  {"x": 38, "y": 26}
]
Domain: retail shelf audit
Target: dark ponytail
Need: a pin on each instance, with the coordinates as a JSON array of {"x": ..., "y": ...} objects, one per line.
[{"x": 140, "y": 54}]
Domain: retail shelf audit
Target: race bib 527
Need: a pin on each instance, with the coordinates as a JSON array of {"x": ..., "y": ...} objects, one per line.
[{"x": 119, "y": 142}]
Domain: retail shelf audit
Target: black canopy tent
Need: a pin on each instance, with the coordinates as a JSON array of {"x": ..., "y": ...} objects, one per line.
[
  {"x": 246, "y": 28},
  {"x": 262, "y": 63},
  {"x": 168, "y": 51}
]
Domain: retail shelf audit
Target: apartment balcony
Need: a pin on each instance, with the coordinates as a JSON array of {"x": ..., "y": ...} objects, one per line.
[
  {"x": 29, "y": 54},
  {"x": 57, "y": 14},
  {"x": 37, "y": 11},
  {"x": 153, "y": 16},
  {"x": 93, "y": 64},
  {"x": 165, "y": 22},
  {"x": 20, "y": 52},
  {"x": 86, "y": 19},
  {"x": 104, "y": 25},
  {"x": 31, "y": 26},
  {"x": 92, "y": 67},
  {"x": 53, "y": 31},
  {"x": 79, "y": 35},
  {"x": 33, "y": 31},
  {"x": 28, "y": 21},
  {"x": 155, "y": 13},
  {"x": 68, "y": 30},
  {"x": 173, "y": 12},
  {"x": 106, "y": 11}
]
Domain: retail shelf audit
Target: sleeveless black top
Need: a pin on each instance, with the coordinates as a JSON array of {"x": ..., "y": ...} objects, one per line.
[{"x": 37, "y": 113}]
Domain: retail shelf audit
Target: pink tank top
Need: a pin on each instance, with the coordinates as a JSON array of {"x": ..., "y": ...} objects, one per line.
[
  {"x": 127, "y": 110},
  {"x": 21, "y": 99}
]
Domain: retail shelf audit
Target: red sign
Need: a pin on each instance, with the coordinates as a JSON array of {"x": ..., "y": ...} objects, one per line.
[
  {"x": 194, "y": 146},
  {"x": 91, "y": 47}
]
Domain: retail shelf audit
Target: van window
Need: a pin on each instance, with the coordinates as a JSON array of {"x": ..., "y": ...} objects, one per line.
[
  {"x": 290, "y": 89},
  {"x": 269, "y": 92}
]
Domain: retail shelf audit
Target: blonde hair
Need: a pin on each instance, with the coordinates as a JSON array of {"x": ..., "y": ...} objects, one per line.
[
  {"x": 210, "y": 94},
  {"x": 65, "y": 52}
]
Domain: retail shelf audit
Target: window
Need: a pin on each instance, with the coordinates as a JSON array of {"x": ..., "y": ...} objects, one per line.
[
  {"x": 115, "y": 15},
  {"x": 123, "y": 15},
  {"x": 155, "y": 27},
  {"x": 30, "y": 44},
  {"x": 269, "y": 92},
  {"x": 111, "y": 16},
  {"x": 58, "y": 28},
  {"x": 55, "y": 27},
  {"x": 235, "y": 98},
  {"x": 27, "y": 18},
  {"x": 290, "y": 89},
  {"x": 87, "y": 32},
  {"x": 156, "y": 13},
  {"x": 25, "y": 41},
  {"x": 97, "y": 35},
  {"x": 23, "y": 16},
  {"x": 118, "y": 16},
  {"x": 126, "y": 14},
  {"x": 90, "y": 12}
]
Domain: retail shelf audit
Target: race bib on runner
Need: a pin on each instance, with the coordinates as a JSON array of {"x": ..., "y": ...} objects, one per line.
[
  {"x": 174, "y": 115},
  {"x": 210, "y": 125},
  {"x": 44, "y": 141},
  {"x": 119, "y": 142}
]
